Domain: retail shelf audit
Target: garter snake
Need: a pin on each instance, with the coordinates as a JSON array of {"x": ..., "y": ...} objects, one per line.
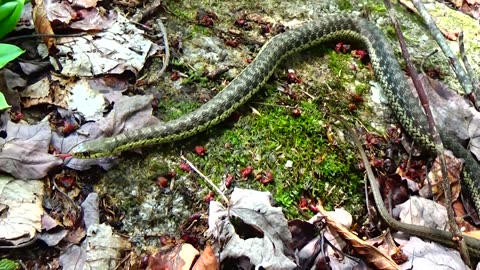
[{"x": 253, "y": 77}]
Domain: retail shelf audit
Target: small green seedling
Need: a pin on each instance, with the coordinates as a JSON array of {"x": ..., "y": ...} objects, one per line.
[{"x": 3, "y": 103}]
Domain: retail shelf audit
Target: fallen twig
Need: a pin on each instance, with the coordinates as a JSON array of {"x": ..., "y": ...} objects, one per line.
[
  {"x": 166, "y": 58},
  {"x": 206, "y": 179}
]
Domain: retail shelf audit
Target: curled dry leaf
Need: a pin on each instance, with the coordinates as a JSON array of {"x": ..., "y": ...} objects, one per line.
[
  {"x": 251, "y": 212},
  {"x": 207, "y": 260},
  {"x": 371, "y": 254},
  {"x": 21, "y": 209},
  {"x": 42, "y": 24},
  {"x": 179, "y": 257},
  {"x": 100, "y": 250},
  {"x": 454, "y": 168}
]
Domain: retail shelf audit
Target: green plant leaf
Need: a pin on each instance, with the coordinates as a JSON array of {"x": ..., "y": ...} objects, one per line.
[
  {"x": 6, "y": 264},
  {"x": 10, "y": 12},
  {"x": 3, "y": 102},
  {"x": 8, "y": 52}
]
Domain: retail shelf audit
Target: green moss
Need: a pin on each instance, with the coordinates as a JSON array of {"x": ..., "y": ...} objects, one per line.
[
  {"x": 172, "y": 109},
  {"x": 344, "y": 5},
  {"x": 196, "y": 77},
  {"x": 181, "y": 11},
  {"x": 375, "y": 6},
  {"x": 269, "y": 141}
]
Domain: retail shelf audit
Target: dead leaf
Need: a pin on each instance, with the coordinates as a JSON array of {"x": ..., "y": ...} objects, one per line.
[
  {"x": 207, "y": 260},
  {"x": 394, "y": 189},
  {"x": 268, "y": 238},
  {"x": 474, "y": 234},
  {"x": 450, "y": 35},
  {"x": 21, "y": 201},
  {"x": 308, "y": 241},
  {"x": 120, "y": 47},
  {"x": 434, "y": 180},
  {"x": 73, "y": 258},
  {"x": 52, "y": 239},
  {"x": 8, "y": 80},
  {"x": 24, "y": 152},
  {"x": 91, "y": 214},
  {"x": 100, "y": 250},
  {"x": 129, "y": 113},
  {"x": 42, "y": 25},
  {"x": 179, "y": 257},
  {"x": 84, "y": 3},
  {"x": 371, "y": 254},
  {"x": 385, "y": 244},
  {"x": 424, "y": 212},
  {"x": 76, "y": 235},
  {"x": 430, "y": 255}
]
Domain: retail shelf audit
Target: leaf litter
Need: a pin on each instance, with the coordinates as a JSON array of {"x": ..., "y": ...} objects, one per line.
[
  {"x": 269, "y": 249},
  {"x": 21, "y": 210},
  {"x": 24, "y": 152}
]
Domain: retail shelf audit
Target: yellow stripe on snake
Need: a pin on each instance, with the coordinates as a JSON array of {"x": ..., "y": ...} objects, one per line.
[{"x": 252, "y": 78}]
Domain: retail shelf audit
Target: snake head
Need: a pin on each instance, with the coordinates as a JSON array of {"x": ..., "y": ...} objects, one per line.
[{"x": 89, "y": 150}]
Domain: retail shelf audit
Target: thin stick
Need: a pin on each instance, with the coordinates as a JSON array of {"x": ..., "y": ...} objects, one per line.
[
  {"x": 206, "y": 179},
  {"x": 166, "y": 59}
]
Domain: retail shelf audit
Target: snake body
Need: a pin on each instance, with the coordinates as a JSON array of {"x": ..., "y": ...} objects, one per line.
[{"x": 326, "y": 29}]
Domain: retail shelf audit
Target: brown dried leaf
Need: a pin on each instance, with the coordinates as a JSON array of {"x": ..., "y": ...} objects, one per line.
[
  {"x": 454, "y": 168},
  {"x": 450, "y": 35},
  {"x": 207, "y": 260},
  {"x": 21, "y": 210},
  {"x": 179, "y": 257},
  {"x": 42, "y": 24},
  {"x": 475, "y": 234},
  {"x": 384, "y": 243},
  {"x": 371, "y": 254}
]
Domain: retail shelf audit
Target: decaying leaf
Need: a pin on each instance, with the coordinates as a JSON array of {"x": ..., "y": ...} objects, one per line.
[
  {"x": 179, "y": 257},
  {"x": 21, "y": 214},
  {"x": 385, "y": 243},
  {"x": 24, "y": 152},
  {"x": 207, "y": 260},
  {"x": 268, "y": 240},
  {"x": 74, "y": 95},
  {"x": 91, "y": 214},
  {"x": 42, "y": 24},
  {"x": 424, "y": 212},
  {"x": 120, "y": 47},
  {"x": 371, "y": 254},
  {"x": 311, "y": 249},
  {"x": 100, "y": 250},
  {"x": 430, "y": 255},
  {"x": 129, "y": 113},
  {"x": 453, "y": 113},
  {"x": 434, "y": 180}
]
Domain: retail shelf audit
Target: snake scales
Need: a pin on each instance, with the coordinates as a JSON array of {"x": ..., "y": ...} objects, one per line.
[{"x": 251, "y": 79}]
